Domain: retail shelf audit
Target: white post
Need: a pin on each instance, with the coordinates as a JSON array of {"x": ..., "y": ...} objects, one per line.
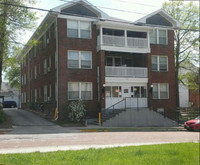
[
  {"x": 101, "y": 36},
  {"x": 126, "y": 39}
]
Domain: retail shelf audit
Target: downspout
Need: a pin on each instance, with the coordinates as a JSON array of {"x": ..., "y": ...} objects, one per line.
[{"x": 57, "y": 86}]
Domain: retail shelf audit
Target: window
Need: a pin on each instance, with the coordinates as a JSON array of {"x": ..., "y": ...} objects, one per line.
[
  {"x": 79, "y": 90},
  {"x": 159, "y": 63},
  {"x": 23, "y": 98},
  {"x": 24, "y": 79},
  {"x": 158, "y": 36},
  {"x": 78, "y": 29},
  {"x": 160, "y": 91},
  {"x": 72, "y": 29},
  {"x": 139, "y": 91},
  {"x": 113, "y": 91},
  {"x": 45, "y": 66},
  {"x": 153, "y": 37},
  {"x": 35, "y": 72},
  {"x": 113, "y": 61},
  {"x": 78, "y": 59},
  {"x": 84, "y": 30},
  {"x": 45, "y": 93},
  {"x": 163, "y": 37},
  {"x": 35, "y": 93}
]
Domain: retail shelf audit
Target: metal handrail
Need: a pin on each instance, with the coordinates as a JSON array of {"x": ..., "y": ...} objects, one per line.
[{"x": 116, "y": 103}]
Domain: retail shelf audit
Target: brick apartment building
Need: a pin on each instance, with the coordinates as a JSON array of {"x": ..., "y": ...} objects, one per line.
[{"x": 85, "y": 54}]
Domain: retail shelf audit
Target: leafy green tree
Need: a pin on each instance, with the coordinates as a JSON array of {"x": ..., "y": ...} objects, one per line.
[
  {"x": 186, "y": 38},
  {"x": 14, "y": 20},
  {"x": 12, "y": 68}
]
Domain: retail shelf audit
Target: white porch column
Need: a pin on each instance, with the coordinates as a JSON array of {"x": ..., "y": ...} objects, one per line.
[
  {"x": 126, "y": 39},
  {"x": 101, "y": 36},
  {"x": 148, "y": 39}
]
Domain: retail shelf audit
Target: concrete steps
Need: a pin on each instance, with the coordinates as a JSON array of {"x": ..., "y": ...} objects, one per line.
[{"x": 138, "y": 118}]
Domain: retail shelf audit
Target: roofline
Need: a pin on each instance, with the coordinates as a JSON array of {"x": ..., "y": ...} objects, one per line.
[
  {"x": 176, "y": 23},
  {"x": 69, "y": 4}
]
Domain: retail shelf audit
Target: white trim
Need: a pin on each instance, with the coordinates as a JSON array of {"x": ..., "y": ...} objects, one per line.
[
  {"x": 125, "y": 80},
  {"x": 86, "y": 4},
  {"x": 79, "y": 28},
  {"x": 123, "y": 26},
  {"x": 123, "y": 49},
  {"x": 76, "y": 18},
  {"x": 158, "y": 63},
  {"x": 175, "y": 23},
  {"x": 159, "y": 91}
]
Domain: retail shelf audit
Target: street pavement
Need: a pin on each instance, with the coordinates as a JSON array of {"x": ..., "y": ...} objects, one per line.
[{"x": 31, "y": 135}]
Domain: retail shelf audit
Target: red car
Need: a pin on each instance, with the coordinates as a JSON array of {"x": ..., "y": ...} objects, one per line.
[{"x": 193, "y": 125}]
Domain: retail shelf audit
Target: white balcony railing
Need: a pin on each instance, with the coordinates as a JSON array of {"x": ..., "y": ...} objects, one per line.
[
  {"x": 136, "y": 72},
  {"x": 126, "y": 42},
  {"x": 137, "y": 42}
]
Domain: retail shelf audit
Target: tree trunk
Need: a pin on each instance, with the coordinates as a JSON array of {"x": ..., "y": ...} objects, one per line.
[{"x": 3, "y": 42}]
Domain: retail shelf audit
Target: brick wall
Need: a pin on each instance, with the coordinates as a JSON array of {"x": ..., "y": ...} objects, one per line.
[
  {"x": 164, "y": 77},
  {"x": 76, "y": 75}
]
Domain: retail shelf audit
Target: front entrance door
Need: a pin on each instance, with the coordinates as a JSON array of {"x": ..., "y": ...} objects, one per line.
[{"x": 126, "y": 92}]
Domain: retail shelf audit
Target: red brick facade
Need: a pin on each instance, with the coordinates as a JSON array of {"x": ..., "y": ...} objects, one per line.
[
  {"x": 169, "y": 105},
  {"x": 96, "y": 75}
]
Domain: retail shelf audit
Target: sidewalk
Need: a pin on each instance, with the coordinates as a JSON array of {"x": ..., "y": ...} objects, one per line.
[{"x": 76, "y": 141}]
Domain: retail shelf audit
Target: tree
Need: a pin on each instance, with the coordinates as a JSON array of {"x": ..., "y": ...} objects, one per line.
[
  {"x": 14, "y": 19},
  {"x": 12, "y": 68},
  {"x": 186, "y": 38}
]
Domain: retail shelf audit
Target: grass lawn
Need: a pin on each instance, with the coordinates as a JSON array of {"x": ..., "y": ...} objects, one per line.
[{"x": 167, "y": 154}]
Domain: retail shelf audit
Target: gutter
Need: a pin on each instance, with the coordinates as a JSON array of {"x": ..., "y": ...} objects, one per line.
[{"x": 57, "y": 95}]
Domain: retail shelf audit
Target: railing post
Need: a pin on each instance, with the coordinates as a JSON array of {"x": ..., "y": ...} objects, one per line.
[{"x": 125, "y": 103}]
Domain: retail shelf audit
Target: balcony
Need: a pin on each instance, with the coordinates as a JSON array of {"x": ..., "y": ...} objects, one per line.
[
  {"x": 123, "y": 44},
  {"x": 133, "y": 72}
]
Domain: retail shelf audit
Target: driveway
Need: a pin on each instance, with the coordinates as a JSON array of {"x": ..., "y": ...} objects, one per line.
[{"x": 25, "y": 122}]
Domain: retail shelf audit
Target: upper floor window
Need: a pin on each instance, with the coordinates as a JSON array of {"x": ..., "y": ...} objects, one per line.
[
  {"x": 159, "y": 36},
  {"x": 79, "y": 59},
  {"x": 159, "y": 63},
  {"x": 161, "y": 91},
  {"x": 78, "y": 29},
  {"x": 45, "y": 66}
]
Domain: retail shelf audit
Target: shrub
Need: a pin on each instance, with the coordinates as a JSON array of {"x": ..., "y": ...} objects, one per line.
[
  {"x": 76, "y": 111},
  {"x": 1, "y": 116}
]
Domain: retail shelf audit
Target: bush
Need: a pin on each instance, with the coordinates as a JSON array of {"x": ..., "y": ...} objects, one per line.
[
  {"x": 1, "y": 116},
  {"x": 76, "y": 111}
]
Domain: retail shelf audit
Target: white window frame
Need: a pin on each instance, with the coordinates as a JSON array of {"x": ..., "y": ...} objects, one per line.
[
  {"x": 45, "y": 66},
  {"x": 158, "y": 63},
  {"x": 157, "y": 36},
  {"x": 45, "y": 94},
  {"x": 35, "y": 94},
  {"x": 35, "y": 72},
  {"x": 113, "y": 60},
  {"x": 79, "y": 59},
  {"x": 80, "y": 90},
  {"x": 159, "y": 90},
  {"x": 79, "y": 28}
]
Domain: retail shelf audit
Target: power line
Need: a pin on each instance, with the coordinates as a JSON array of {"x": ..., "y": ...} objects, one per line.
[
  {"x": 65, "y": 13},
  {"x": 108, "y": 8}
]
